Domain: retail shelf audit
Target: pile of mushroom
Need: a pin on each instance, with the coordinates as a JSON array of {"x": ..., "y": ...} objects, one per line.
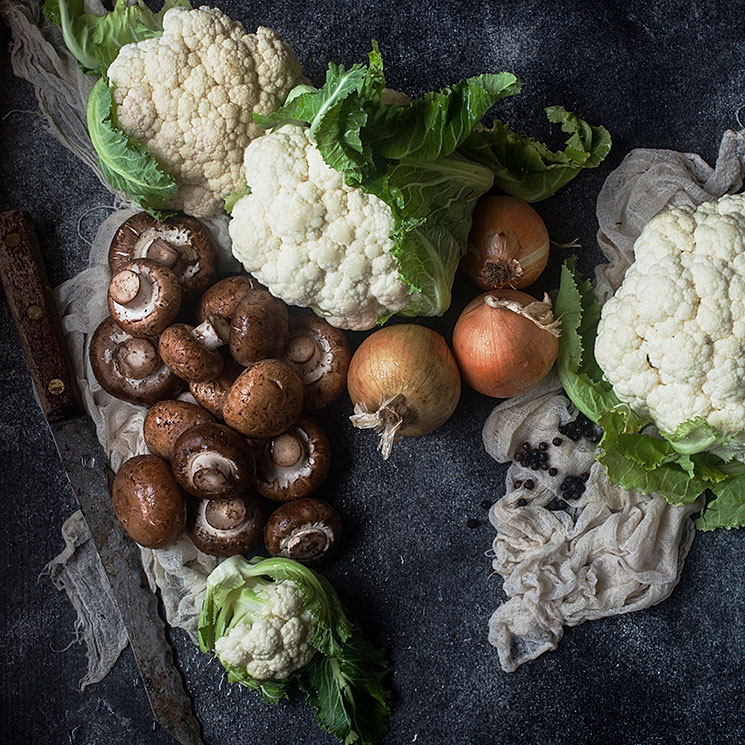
[{"x": 241, "y": 437}]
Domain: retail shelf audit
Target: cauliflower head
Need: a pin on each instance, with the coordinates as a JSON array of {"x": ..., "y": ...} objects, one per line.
[
  {"x": 189, "y": 96},
  {"x": 310, "y": 238},
  {"x": 277, "y": 641},
  {"x": 671, "y": 341}
]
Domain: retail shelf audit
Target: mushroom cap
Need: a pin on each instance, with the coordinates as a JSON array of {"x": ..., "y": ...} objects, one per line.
[
  {"x": 211, "y": 461},
  {"x": 320, "y": 354},
  {"x": 227, "y": 527},
  {"x": 259, "y": 327},
  {"x": 144, "y": 297},
  {"x": 304, "y": 530},
  {"x": 221, "y": 299},
  {"x": 184, "y": 354},
  {"x": 165, "y": 421},
  {"x": 110, "y": 362},
  {"x": 179, "y": 242},
  {"x": 148, "y": 502},
  {"x": 265, "y": 400},
  {"x": 293, "y": 464},
  {"x": 212, "y": 394}
]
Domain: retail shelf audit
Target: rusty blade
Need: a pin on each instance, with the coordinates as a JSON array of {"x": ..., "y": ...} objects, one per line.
[{"x": 87, "y": 468}]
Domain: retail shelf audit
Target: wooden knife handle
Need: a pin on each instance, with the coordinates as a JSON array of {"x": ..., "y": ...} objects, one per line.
[{"x": 35, "y": 315}]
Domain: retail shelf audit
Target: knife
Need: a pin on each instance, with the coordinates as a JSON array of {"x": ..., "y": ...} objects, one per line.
[{"x": 35, "y": 315}]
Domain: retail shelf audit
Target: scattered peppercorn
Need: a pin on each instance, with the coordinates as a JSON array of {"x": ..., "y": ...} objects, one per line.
[
  {"x": 522, "y": 502},
  {"x": 556, "y": 504},
  {"x": 526, "y": 446},
  {"x": 553, "y": 471},
  {"x": 543, "y": 446},
  {"x": 518, "y": 457},
  {"x": 518, "y": 484},
  {"x": 529, "y": 484},
  {"x": 557, "y": 441},
  {"x": 473, "y": 523}
]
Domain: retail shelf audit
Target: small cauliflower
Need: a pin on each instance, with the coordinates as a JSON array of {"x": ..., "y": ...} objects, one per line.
[
  {"x": 189, "y": 96},
  {"x": 671, "y": 341},
  {"x": 313, "y": 240},
  {"x": 275, "y": 642},
  {"x": 274, "y": 621}
]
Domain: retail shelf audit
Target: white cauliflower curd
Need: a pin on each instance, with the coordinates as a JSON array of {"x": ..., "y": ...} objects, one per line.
[
  {"x": 672, "y": 339},
  {"x": 274, "y": 642},
  {"x": 189, "y": 95},
  {"x": 310, "y": 238}
]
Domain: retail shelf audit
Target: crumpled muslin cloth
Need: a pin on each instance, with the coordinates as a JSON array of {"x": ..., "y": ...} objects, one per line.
[{"x": 613, "y": 551}]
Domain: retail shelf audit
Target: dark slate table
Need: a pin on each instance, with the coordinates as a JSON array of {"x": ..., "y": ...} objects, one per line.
[{"x": 664, "y": 75}]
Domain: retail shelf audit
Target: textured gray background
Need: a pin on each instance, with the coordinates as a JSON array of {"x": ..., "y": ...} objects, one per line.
[{"x": 664, "y": 74}]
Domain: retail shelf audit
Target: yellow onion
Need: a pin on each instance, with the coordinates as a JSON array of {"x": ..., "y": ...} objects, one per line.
[
  {"x": 403, "y": 381},
  {"x": 505, "y": 342},
  {"x": 508, "y": 244}
]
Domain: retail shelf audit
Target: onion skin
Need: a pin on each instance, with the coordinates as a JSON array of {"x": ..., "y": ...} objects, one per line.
[
  {"x": 500, "y": 353},
  {"x": 411, "y": 360},
  {"x": 508, "y": 245}
]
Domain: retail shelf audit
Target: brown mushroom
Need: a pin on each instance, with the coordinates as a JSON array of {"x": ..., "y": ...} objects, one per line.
[
  {"x": 293, "y": 464},
  {"x": 165, "y": 421},
  {"x": 212, "y": 394},
  {"x": 212, "y": 461},
  {"x": 148, "y": 502},
  {"x": 144, "y": 297},
  {"x": 221, "y": 299},
  {"x": 192, "y": 353},
  {"x": 265, "y": 400},
  {"x": 181, "y": 243},
  {"x": 259, "y": 327},
  {"x": 304, "y": 530},
  {"x": 130, "y": 368},
  {"x": 227, "y": 527},
  {"x": 320, "y": 354}
]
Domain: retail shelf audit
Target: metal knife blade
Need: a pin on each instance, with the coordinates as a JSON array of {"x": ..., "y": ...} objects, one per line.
[{"x": 35, "y": 316}]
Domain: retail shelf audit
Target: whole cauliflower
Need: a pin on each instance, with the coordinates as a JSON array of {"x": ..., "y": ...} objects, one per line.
[
  {"x": 189, "y": 95},
  {"x": 310, "y": 238},
  {"x": 276, "y": 642},
  {"x": 672, "y": 339}
]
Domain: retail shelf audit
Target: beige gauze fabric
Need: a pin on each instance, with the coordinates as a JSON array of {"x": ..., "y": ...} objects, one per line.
[{"x": 611, "y": 551}]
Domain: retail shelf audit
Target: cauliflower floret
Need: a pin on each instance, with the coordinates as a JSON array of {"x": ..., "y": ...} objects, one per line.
[
  {"x": 310, "y": 238},
  {"x": 277, "y": 642},
  {"x": 671, "y": 340},
  {"x": 190, "y": 94}
]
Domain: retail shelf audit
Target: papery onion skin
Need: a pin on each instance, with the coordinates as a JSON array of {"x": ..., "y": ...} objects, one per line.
[
  {"x": 508, "y": 245},
  {"x": 411, "y": 360},
  {"x": 500, "y": 353}
]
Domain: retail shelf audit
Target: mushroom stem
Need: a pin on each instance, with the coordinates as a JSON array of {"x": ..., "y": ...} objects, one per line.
[
  {"x": 125, "y": 286},
  {"x": 208, "y": 333},
  {"x": 225, "y": 514},
  {"x": 307, "y": 543},
  {"x": 286, "y": 450},
  {"x": 164, "y": 253},
  {"x": 301, "y": 349},
  {"x": 137, "y": 358},
  {"x": 210, "y": 479}
]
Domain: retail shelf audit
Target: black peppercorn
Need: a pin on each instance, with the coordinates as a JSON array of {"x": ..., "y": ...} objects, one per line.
[
  {"x": 522, "y": 502},
  {"x": 553, "y": 471},
  {"x": 543, "y": 446},
  {"x": 529, "y": 484},
  {"x": 557, "y": 441}
]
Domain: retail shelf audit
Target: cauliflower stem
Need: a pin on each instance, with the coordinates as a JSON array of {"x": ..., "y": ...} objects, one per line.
[
  {"x": 273, "y": 621},
  {"x": 695, "y": 462}
]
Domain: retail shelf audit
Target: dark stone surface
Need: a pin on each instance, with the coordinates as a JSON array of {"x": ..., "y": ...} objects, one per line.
[{"x": 659, "y": 74}]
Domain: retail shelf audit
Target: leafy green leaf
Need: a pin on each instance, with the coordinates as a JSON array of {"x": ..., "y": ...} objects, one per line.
[
  {"x": 525, "y": 167},
  {"x": 94, "y": 40},
  {"x": 348, "y": 691},
  {"x": 127, "y": 166},
  {"x": 727, "y": 509},
  {"x": 234, "y": 196}
]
